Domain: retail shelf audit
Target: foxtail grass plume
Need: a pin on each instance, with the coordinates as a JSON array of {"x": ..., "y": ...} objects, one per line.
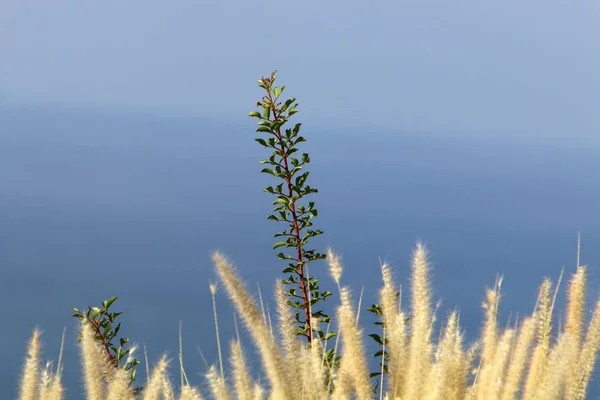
[{"x": 531, "y": 360}]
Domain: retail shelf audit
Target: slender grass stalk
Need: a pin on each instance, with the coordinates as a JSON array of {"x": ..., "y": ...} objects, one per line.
[{"x": 213, "y": 291}]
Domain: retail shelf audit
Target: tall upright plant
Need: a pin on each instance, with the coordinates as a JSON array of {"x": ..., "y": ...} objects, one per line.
[{"x": 304, "y": 292}]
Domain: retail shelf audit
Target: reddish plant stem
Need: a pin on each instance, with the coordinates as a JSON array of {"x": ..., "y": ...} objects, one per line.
[
  {"x": 292, "y": 208},
  {"x": 96, "y": 326}
]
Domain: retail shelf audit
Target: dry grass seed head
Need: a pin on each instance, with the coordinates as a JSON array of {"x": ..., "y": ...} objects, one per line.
[
  {"x": 420, "y": 347},
  {"x": 96, "y": 366},
  {"x": 290, "y": 344},
  {"x": 577, "y": 386},
  {"x": 155, "y": 386},
  {"x": 119, "y": 389},
  {"x": 28, "y": 389},
  {"x": 541, "y": 351},
  {"x": 190, "y": 393},
  {"x": 517, "y": 364},
  {"x": 217, "y": 386},
  {"x": 242, "y": 383},
  {"x": 353, "y": 361},
  {"x": 272, "y": 358},
  {"x": 335, "y": 266}
]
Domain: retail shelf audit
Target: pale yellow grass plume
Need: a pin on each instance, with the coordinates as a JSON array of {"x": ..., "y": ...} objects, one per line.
[
  {"x": 499, "y": 365},
  {"x": 218, "y": 387},
  {"x": 29, "y": 380},
  {"x": 101, "y": 379},
  {"x": 541, "y": 351},
  {"x": 242, "y": 383},
  {"x": 559, "y": 374},
  {"x": 553, "y": 385},
  {"x": 575, "y": 320},
  {"x": 155, "y": 387},
  {"x": 36, "y": 384},
  {"x": 289, "y": 341},
  {"x": 488, "y": 340},
  {"x": 45, "y": 381},
  {"x": 50, "y": 386},
  {"x": 95, "y": 364},
  {"x": 529, "y": 360},
  {"x": 393, "y": 319},
  {"x": 271, "y": 355},
  {"x": 344, "y": 387},
  {"x": 420, "y": 349},
  {"x": 519, "y": 358},
  {"x": 353, "y": 364},
  {"x": 447, "y": 377},
  {"x": 258, "y": 392},
  {"x": 119, "y": 386},
  {"x": 313, "y": 371},
  {"x": 576, "y": 306},
  {"x": 335, "y": 266},
  {"x": 587, "y": 358},
  {"x": 190, "y": 393}
]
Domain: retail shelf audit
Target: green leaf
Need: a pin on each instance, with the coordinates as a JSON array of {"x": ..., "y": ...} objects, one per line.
[
  {"x": 254, "y": 114},
  {"x": 261, "y": 141},
  {"x": 287, "y": 104},
  {"x": 267, "y": 112},
  {"x": 95, "y": 312},
  {"x": 268, "y": 171},
  {"x": 275, "y": 125},
  {"x": 107, "y": 303},
  {"x": 263, "y": 128},
  {"x": 284, "y": 257},
  {"x": 377, "y": 338},
  {"x": 297, "y": 128},
  {"x": 279, "y": 244}
]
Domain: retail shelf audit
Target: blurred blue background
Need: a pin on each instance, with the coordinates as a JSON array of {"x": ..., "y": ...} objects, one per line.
[{"x": 126, "y": 156}]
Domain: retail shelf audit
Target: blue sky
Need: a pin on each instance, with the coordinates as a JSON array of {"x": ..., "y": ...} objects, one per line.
[
  {"x": 513, "y": 68},
  {"x": 130, "y": 194}
]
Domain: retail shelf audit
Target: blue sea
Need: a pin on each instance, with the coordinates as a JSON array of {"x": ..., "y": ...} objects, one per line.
[{"x": 94, "y": 205}]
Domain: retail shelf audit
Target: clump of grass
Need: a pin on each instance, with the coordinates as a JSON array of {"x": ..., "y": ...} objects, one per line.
[
  {"x": 529, "y": 360},
  {"x": 101, "y": 381}
]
